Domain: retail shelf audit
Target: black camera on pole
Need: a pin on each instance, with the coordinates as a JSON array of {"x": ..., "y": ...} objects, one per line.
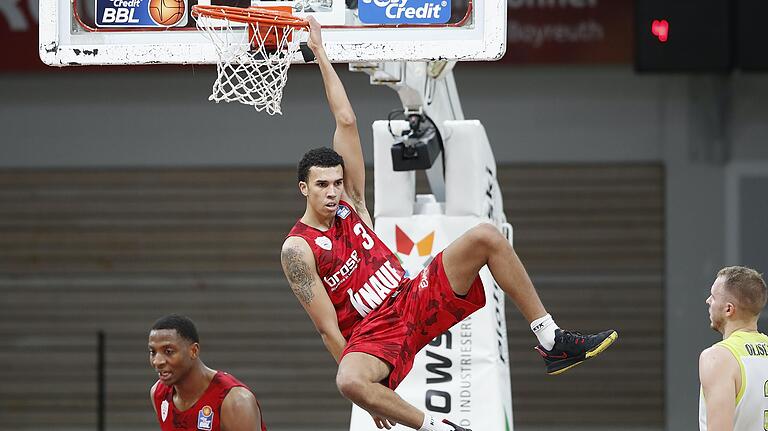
[{"x": 419, "y": 146}]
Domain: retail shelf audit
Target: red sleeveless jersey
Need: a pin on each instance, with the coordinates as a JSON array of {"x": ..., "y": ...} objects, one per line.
[
  {"x": 358, "y": 271},
  {"x": 205, "y": 415}
]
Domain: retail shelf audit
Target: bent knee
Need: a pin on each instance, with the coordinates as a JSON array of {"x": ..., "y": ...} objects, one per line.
[
  {"x": 351, "y": 386},
  {"x": 488, "y": 235}
]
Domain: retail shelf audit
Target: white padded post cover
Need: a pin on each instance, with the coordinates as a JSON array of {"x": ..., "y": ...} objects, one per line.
[
  {"x": 463, "y": 374},
  {"x": 471, "y": 188},
  {"x": 394, "y": 192}
]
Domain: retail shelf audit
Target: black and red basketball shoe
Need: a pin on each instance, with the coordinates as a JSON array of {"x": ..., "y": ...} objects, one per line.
[
  {"x": 573, "y": 348},
  {"x": 455, "y": 427}
]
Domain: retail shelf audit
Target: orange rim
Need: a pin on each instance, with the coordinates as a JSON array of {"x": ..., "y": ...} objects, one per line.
[{"x": 252, "y": 15}]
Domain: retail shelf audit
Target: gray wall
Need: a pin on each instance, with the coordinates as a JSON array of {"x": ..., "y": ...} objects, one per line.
[{"x": 144, "y": 118}]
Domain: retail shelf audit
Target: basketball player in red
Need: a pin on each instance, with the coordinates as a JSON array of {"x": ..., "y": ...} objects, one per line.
[
  {"x": 372, "y": 319},
  {"x": 190, "y": 396}
]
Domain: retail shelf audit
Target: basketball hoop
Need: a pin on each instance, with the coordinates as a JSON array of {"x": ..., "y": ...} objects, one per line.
[{"x": 252, "y": 65}]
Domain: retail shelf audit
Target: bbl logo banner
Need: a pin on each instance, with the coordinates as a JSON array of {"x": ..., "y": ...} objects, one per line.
[
  {"x": 141, "y": 13},
  {"x": 405, "y": 11}
]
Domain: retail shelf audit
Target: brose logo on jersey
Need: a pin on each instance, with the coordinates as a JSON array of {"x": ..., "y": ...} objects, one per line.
[
  {"x": 405, "y": 11},
  {"x": 344, "y": 272}
]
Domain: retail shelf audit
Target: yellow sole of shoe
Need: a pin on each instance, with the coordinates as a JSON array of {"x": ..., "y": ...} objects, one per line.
[{"x": 591, "y": 354}]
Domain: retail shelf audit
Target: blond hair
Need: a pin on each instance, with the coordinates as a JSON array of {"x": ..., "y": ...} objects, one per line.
[{"x": 746, "y": 286}]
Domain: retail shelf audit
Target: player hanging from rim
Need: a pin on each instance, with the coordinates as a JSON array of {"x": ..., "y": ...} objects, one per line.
[
  {"x": 371, "y": 319},
  {"x": 189, "y": 396}
]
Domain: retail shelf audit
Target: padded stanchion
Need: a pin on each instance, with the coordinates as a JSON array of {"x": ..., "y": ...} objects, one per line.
[
  {"x": 463, "y": 375},
  {"x": 394, "y": 192},
  {"x": 471, "y": 187}
]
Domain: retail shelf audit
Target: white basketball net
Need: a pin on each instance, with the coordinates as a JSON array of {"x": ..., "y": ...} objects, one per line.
[{"x": 250, "y": 72}]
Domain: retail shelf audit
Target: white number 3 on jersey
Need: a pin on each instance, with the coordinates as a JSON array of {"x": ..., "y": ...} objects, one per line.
[{"x": 359, "y": 230}]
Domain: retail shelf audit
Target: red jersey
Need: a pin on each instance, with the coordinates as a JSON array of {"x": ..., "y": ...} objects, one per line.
[
  {"x": 205, "y": 415},
  {"x": 358, "y": 271}
]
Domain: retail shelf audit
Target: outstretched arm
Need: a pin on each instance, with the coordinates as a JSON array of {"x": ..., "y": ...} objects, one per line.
[
  {"x": 346, "y": 139},
  {"x": 718, "y": 371},
  {"x": 299, "y": 268}
]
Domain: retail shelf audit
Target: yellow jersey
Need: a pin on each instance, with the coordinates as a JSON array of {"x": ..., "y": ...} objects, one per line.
[{"x": 751, "y": 352}]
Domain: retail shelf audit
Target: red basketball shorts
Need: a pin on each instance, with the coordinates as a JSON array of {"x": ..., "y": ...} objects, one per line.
[{"x": 420, "y": 309}]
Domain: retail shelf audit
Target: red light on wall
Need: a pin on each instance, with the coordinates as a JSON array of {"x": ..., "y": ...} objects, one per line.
[{"x": 660, "y": 29}]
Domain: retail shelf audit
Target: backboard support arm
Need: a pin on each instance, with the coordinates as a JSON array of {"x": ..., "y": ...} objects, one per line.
[{"x": 423, "y": 87}]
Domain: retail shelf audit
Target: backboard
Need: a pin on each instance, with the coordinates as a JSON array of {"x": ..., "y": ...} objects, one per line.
[{"x": 103, "y": 32}]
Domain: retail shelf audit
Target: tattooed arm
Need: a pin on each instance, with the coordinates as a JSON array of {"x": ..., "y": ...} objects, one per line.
[{"x": 299, "y": 268}]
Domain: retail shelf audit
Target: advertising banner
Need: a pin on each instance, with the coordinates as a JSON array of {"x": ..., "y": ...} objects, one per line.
[
  {"x": 18, "y": 30},
  {"x": 569, "y": 31},
  {"x": 538, "y": 31},
  {"x": 404, "y": 11},
  {"x": 462, "y": 375},
  {"x": 141, "y": 13}
]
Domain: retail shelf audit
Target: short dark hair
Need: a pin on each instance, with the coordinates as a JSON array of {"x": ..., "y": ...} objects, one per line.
[
  {"x": 322, "y": 157},
  {"x": 183, "y": 325},
  {"x": 746, "y": 286}
]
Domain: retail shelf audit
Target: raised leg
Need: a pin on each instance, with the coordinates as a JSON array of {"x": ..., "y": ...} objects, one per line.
[{"x": 485, "y": 245}]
